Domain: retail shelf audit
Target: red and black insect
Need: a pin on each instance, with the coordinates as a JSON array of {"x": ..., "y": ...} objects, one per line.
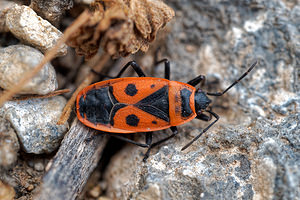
[{"x": 145, "y": 104}]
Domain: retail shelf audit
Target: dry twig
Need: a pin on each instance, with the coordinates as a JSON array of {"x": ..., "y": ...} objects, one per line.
[{"x": 34, "y": 96}]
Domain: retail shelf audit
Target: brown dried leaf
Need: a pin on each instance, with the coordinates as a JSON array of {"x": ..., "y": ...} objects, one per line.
[
  {"x": 150, "y": 16},
  {"x": 122, "y": 28},
  {"x": 84, "y": 38}
]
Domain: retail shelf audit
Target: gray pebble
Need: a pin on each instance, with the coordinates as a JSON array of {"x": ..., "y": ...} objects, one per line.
[
  {"x": 27, "y": 26},
  {"x": 9, "y": 144},
  {"x": 16, "y": 60},
  {"x": 39, "y": 166},
  {"x": 35, "y": 123}
]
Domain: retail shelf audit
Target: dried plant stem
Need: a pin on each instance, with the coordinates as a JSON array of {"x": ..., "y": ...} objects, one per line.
[
  {"x": 48, "y": 56},
  {"x": 87, "y": 81},
  {"x": 52, "y": 94}
]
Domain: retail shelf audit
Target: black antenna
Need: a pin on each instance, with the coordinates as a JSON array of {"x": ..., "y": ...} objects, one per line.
[
  {"x": 214, "y": 114},
  {"x": 234, "y": 83},
  {"x": 203, "y": 131}
]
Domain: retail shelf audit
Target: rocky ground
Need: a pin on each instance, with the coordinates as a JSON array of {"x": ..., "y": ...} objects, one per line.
[{"x": 253, "y": 152}]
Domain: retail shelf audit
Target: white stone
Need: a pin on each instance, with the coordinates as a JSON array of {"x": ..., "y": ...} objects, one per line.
[
  {"x": 27, "y": 26},
  {"x": 16, "y": 60}
]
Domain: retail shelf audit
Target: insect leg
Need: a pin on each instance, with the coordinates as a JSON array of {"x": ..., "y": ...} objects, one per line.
[
  {"x": 129, "y": 140},
  {"x": 101, "y": 75},
  {"x": 197, "y": 80},
  {"x": 133, "y": 64},
  {"x": 167, "y": 67},
  {"x": 148, "y": 138},
  {"x": 136, "y": 68},
  {"x": 203, "y": 117},
  {"x": 174, "y": 132},
  {"x": 204, "y": 130}
]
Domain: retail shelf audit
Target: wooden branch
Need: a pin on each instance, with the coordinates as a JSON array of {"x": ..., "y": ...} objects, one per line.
[
  {"x": 35, "y": 96},
  {"x": 68, "y": 171}
]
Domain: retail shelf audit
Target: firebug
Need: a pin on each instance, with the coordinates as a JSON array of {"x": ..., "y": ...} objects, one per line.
[{"x": 146, "y": 104}]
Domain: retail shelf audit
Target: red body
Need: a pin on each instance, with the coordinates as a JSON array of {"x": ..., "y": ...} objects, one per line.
[{"x": 136, "y": 104}]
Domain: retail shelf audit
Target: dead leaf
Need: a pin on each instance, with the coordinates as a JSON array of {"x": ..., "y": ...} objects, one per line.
[{"x": 121, "y": 27}]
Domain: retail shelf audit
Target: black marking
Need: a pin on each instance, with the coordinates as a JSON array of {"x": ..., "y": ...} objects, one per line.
[
  {"x": 203, "y": 117},
  {"x": 114, "y": 111},
  {"x": 152, "y": 86},
  {"x": 132, "y": 120},
  {"x": 131, "y": 89},
  {"x": 111, "y": 95},
  {"x": 157, "y": 104},
  {"x": 154, "y": 111},
  {"x": 154, "y": 122},
  {"x": 177, "y": 109},
  {"x": 177, "y": 98},
  {"x": 82, "y": 107},
  {"x": 185, "y": 102},
  {"x": 96, "y": 106}
]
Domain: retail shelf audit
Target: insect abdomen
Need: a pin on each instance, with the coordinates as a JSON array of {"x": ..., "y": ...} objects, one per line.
[{"x": 96, "y": 106}]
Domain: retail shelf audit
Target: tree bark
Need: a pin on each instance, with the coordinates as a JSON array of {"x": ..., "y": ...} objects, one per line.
[{"x": 77, "y": 157}]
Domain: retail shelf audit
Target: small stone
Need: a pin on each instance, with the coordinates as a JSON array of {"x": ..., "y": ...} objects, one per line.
[
  {"x": 190, "y": 48},
  {"x": 152, "y": 192},
  {"x": 87, "y": 2},
  {"x": 95, "y": 191},
  {"x": 52, "y": 10},
  {"x": 6, "y": 191},
  {"x": 4, "y": 7},
  {"x": 9, "y": 145},
  {"x": 27, "y": 26},
  {"x": 30, "y": 188},
  {"x": 30, "y": 163},
  {"x": 104, "y": 198},
  {"x": 39, "y": 166},
  {"x": 17, "y": 60},
  {"x": 30, "y": 171},
  {"x": 35, "y": 123}
]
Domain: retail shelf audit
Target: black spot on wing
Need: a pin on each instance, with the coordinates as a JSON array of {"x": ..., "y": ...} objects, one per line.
[
  {"x": 157, "y": 104},
  {"x": 185, "y": 102},
  {"x": 131, "y": 89},
  {"x": 132, "y": 120},
  {"x": 96, "y": 106}
]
